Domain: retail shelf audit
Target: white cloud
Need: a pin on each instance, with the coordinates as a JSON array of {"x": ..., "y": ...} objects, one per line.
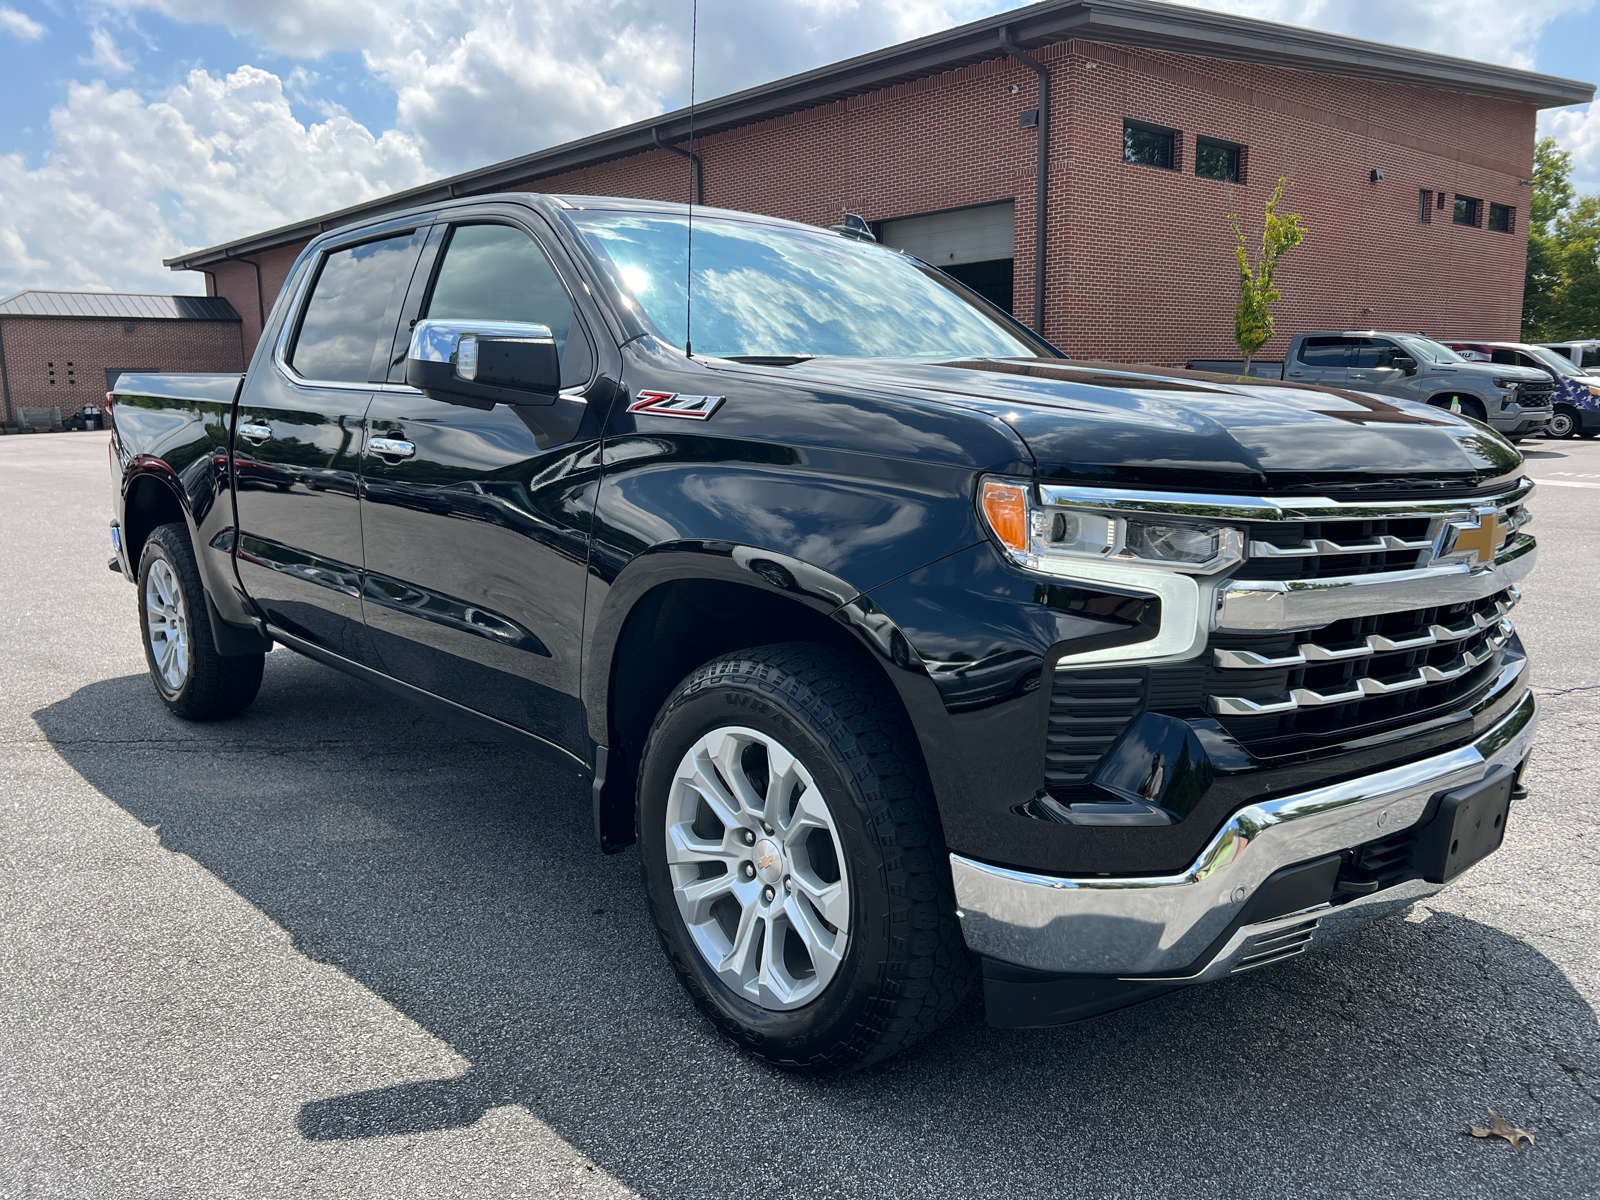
[
  {"x": 477, "y": 81},
  {"x": 20, "y": 24},
  {"x": 1486, "y": 30},
  {"x": 130, "y": 181},
  {"x": 1578, "y": 131},
  {"x": 105, "y": 55}
]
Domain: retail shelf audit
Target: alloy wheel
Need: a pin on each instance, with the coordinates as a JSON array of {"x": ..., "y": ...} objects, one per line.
[
  {"x": 166, "y": 624},
  {"x": 758, "y": 870}
]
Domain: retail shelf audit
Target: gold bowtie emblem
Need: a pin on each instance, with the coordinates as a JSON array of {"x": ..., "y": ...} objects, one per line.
[
  {"x": 1485, "y": 539},
  {"x": 766, "y": 860}
]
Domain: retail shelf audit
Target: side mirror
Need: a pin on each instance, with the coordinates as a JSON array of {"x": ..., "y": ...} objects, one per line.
[
  {"x": 1405, "y": 363},
  {"x": 483, "y": 363}
]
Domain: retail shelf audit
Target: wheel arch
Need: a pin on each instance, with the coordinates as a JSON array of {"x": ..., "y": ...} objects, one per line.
[
  {"x": 677, "y": 607},
  {"x": 149, "y": 501}
]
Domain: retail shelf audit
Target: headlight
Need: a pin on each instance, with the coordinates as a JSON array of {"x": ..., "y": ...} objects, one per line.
[
  {"x": 1507, "y": 383},
  {"x": 1593, "y": 391},
  {"x": 1036, "y": 535}
]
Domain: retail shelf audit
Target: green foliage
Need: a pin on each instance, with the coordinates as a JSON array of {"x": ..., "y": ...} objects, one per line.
[
  {"x": 1561, "y": 293},
  {"x": 1258, "y": 291}
]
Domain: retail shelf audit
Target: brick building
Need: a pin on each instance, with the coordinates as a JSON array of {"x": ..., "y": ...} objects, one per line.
[
  {"x": 62, "y": 351},
  {"x": 1152, "y": 122}
]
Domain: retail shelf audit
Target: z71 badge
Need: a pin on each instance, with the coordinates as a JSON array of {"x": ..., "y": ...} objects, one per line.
[{"x": 670, "y": 404}]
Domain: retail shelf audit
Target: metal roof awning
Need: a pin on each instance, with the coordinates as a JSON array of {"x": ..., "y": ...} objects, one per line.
[
  {"x": 1149, "y": 24},
  {"x": 117, "y": 305}
]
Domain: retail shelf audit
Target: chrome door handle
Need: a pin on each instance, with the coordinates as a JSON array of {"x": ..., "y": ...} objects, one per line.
[
  {"x": 255, "y": 434},
  {"x": 391, "y": 447}
]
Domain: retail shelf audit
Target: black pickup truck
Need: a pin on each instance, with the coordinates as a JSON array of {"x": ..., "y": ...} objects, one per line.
[{"x": 908, "y": 651}]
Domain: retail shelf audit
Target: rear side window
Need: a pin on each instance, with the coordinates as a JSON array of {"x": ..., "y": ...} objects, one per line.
[
  {"x": 348, "y": 324},
  {"x": 499, "y": 273},
  {"x": 1325, "y": 352}
]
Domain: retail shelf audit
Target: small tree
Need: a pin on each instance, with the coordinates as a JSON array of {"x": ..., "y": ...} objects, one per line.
[{"x": 1258, "y": 291}]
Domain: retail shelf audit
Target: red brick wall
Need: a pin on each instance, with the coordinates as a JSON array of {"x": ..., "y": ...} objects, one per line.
[
  {"x": 236, "y": 280},
  {"x": 78, "y": 351},
  {"x": 1140, "y": 260}
]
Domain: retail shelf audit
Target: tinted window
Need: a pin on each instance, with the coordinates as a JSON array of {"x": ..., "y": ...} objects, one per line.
[
  {"x": 1502, "y": 218},
  {"x": 1466, "y": 211},
  {"x": 498, "y": 273},
  {"x": 1372, "y": 352},
  {"x": 1149, "y": 145},
  {"x": 1219, "y": 160},
  {"x": 348, "y": 319},
  {"x": 1325, "y": 352}
]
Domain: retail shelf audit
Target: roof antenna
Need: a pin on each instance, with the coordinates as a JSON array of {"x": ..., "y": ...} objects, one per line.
[{"x": 688, "y": 285}]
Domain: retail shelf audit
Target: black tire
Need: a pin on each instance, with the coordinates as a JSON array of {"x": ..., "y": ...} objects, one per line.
[
  {"x": 906, "y": 966},
  {"x": 213, "y": 686},
  {"x": 1563, "y": 422}
]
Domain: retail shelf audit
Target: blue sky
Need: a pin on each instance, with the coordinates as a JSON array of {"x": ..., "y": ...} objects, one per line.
[{"x": 136, "y": 128}]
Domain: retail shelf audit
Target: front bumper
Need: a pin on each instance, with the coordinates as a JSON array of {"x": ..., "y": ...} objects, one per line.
[
  {"x": 1524, "y": 422},
  {"x": 1186, "y": 928}
]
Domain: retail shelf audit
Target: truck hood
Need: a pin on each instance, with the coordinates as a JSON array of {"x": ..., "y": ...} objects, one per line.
[{"x": 1110, "y": 425}]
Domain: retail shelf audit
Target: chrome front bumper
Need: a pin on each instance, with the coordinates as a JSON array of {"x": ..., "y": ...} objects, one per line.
[{"x": 1165, "y": 926}]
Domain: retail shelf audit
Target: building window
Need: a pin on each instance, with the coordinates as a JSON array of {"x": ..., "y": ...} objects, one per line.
[
  {"x": 1150, "y": 145},
  {"x": 1467, "y": 210},
  {"x": 1219, "y": 160},
  {"x": 1425, "y": 205},
  {"x": 1502, "y": 218}
]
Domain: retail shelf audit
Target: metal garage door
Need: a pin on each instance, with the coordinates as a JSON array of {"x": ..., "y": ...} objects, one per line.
[{"x": 973, "y": 244}]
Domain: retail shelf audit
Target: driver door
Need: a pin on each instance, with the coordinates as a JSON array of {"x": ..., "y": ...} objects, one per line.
[{"x": 476, "y": 523}]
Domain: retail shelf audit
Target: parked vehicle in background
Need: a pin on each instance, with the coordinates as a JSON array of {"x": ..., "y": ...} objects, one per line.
[
  {"x": 1582, "y": 353},
  {"x": 1576, "y": 402},
  {"x": 1513, "y": 401},
  {"x": 908, "y": 651}
]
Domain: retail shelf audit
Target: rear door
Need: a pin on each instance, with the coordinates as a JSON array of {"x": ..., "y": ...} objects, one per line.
[
  {"x": 298, "y": 440},
  {"x": 1323, "y": 360},
  {"x": 476, "y": 524}
]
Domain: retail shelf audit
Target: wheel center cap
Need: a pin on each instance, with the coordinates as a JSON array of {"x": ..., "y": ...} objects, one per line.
[{"x": 769, "y": 860}]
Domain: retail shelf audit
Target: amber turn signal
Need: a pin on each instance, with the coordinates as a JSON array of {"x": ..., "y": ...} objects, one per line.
[{"x": 1005, "y": 506}]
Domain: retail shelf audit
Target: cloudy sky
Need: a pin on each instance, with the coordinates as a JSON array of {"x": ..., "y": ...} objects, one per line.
[{"x": 136, "y": 128}]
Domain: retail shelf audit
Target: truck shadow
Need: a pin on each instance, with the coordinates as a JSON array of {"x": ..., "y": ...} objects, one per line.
[{"x": 457, "y": 880}]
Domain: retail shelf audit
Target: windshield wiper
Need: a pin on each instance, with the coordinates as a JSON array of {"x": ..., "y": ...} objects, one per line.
[{"x": 769, "y": 360}]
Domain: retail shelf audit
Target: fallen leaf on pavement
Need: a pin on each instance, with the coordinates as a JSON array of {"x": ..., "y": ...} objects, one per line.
[{"x": 1501, "y": 1128}]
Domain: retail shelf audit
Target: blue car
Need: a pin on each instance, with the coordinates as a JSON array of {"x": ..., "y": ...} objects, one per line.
[{"x": 1577, "y": 396}]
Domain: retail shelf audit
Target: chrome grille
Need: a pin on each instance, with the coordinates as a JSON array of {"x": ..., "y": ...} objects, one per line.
[
  {"x": 1276, "y": 946},
  {"x": 1356, "y": 675},
  {"x": 1321, "y": 549}
]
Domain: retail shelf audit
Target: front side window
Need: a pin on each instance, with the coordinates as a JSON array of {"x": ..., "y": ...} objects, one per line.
[
  {"x": 769, "y": 290},
  {"x": 348, "y": 325},
  {"x": 1219, "y": 160},
  {"x": 1369, "y": 353},
  {"x": 1150, "y": 145},
  {"x": 1502, "y": 218},
  {"x": 499, "y": 273},
  {"x": 1466, "y": 210}
]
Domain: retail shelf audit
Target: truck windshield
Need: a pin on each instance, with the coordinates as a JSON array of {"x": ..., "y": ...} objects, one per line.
[
  {"x": 1428, "y": 350},
  {"x": 1558, "y": 363},
  {"x": 781, "y": 291}
]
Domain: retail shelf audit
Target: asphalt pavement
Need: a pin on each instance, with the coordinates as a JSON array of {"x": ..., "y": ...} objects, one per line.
[{"x": 336, "y": 947}]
